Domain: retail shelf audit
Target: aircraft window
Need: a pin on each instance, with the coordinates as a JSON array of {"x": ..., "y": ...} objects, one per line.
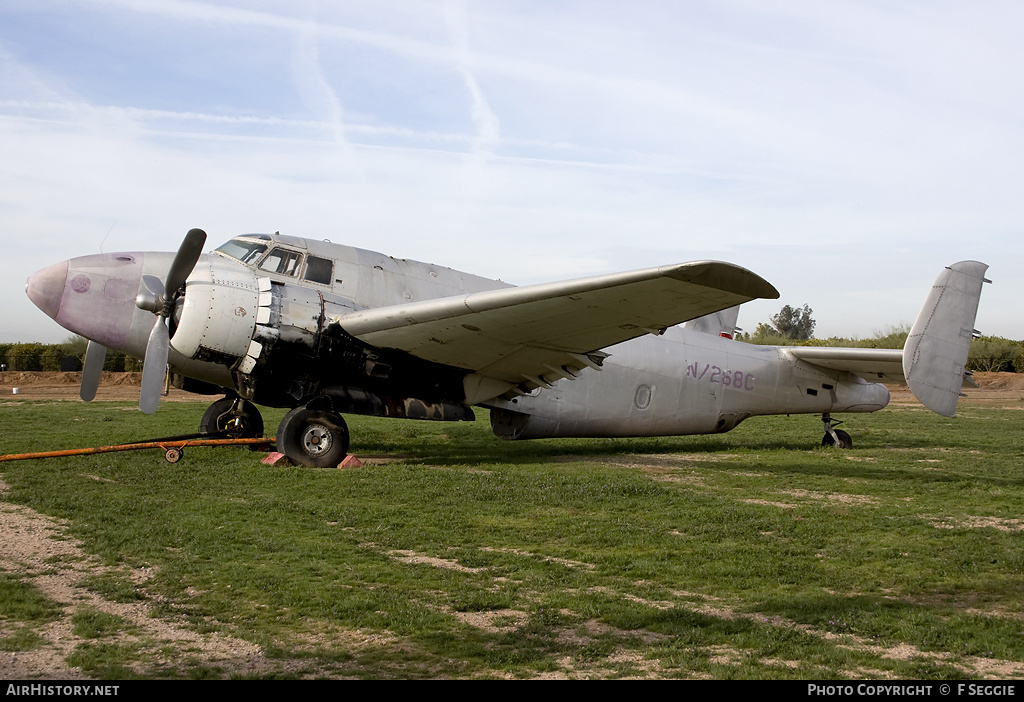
[
  {"x": 318, "y": 270},
  {"x": 244, "y": 251},
  {"x": 282, "y": 261}
]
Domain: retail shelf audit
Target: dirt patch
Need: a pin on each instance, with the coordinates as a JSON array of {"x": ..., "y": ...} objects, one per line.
[
  {"x": 1002, "y": 389},
  {"x": 970, "y": 522},
  {"x": 56, "y": 385}
]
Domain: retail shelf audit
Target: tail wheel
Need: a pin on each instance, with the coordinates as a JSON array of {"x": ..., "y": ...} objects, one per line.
[
  {"x": 245, "y": 422},
  {"x": 314, "y": 438}
]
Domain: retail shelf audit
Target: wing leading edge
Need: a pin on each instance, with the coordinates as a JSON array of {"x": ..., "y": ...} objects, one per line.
[{"x": 532, "y": 336}]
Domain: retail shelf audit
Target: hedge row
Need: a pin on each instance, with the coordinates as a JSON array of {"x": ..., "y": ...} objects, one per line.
[{"x": 56, "y": 357}]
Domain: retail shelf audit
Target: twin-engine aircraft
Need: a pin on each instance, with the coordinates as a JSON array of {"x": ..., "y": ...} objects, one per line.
[{"x": 325, "y": 330}]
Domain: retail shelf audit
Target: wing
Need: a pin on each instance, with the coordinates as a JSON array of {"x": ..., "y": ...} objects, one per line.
[{"x": 532, "y": 336}]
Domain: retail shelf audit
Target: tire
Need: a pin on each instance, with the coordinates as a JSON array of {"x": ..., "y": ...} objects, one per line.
[
  {"x": 314, "y": 438},
  {"x": 218, "y": 418},
  {"x": 845, "y": 442}
]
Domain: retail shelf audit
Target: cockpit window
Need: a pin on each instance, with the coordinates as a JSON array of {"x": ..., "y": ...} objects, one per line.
[
  {"x": 244, "y": 251},
  {"x": 318, "y": 270},
  {"x": 282, "y": 261}
]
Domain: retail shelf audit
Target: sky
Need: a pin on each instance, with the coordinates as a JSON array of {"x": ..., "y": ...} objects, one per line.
[{"x": 845, "y": 150}]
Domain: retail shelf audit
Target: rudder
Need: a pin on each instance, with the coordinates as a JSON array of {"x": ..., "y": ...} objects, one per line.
[{"x": 935, "y": 354}]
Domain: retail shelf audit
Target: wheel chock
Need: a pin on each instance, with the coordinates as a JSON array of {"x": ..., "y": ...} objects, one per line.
[
  {"x": 350, "y": 462},
  {"x": 276, "y": 458}
]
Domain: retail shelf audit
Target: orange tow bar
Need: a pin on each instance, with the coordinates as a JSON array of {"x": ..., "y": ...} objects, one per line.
[{"x": 173, "y": 448}]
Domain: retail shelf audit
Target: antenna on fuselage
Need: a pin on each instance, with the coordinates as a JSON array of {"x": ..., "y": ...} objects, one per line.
[{"x": 108, "y": 235}]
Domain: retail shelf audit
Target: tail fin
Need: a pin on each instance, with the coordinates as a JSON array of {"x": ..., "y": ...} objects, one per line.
[
  {"x": 935, "y": 355},
  {"x": 720, "y": 323}
]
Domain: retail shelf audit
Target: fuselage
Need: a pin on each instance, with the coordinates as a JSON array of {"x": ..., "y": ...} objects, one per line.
[
  {"x": 264, "y": 316},
  {"x": 683, "y": 382}
]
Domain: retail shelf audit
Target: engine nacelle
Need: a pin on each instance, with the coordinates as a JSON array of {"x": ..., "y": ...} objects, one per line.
[{"x": 218, "y": 317}]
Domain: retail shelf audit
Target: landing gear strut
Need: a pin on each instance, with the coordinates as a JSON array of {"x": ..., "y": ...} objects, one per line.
[
  {"x": 834, "y": 437},
  {"x": 314, "y": 438},
  {"x": 236, "y": 416}
]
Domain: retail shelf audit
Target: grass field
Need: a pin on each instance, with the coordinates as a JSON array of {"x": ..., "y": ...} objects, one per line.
[{"x": 453, "y": 554}]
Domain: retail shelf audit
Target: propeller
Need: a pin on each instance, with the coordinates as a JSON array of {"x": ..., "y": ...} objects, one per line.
[
  {"x": 95, "y": 355},
  {"x": 158, "y": 296}
]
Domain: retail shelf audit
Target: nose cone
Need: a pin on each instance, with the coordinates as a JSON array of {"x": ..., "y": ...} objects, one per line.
[
  {"x": 46, "y": 288},
  {"x": 91, "y": 295}
]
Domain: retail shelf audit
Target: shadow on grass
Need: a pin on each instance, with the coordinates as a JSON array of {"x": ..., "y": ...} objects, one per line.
[{"x": 882, "y": 620}]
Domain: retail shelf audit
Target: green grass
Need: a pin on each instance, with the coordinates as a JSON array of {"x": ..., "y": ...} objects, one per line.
[
  {"x": 23, "y": 609},
  {"x": 91, "y": 623},
  {"x": 753, "y": 554},
  {"x": 21, "y": 601}
]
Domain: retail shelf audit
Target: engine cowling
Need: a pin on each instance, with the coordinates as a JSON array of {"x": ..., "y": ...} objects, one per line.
[{"x": 218, "y": 316}]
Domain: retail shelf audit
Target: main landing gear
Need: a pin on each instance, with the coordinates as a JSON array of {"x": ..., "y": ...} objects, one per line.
[
  {"x": 313, "y": 437},
  {"x": 237, "y": 417},
  {"x": 317, "y": 438},
  {"x": 834, "y": 437}
]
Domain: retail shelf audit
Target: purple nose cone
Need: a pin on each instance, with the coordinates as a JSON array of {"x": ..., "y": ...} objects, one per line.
[{"x": 46, "y": 288}]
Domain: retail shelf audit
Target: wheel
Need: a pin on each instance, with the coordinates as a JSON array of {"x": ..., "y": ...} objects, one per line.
[
  {"x": 173, "y": 455},
  {"x": 219, "y": 418},
  {"x": 845, "y": 442},
  {"x": 315, "y": 438}
]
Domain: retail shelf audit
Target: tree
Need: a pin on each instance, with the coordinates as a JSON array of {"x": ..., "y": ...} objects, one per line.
[
  {"x": 794, "y": 323},
  {"x": 994, "y": 353}
]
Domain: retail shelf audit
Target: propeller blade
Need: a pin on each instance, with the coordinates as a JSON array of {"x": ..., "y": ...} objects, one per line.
[
  {"x": 154, "y": 368},
  {"x": 95, "y": 355},
  {"x": 185, "y": 260}
]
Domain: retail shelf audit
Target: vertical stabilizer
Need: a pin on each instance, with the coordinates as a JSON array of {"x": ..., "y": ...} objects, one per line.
[
  {"x": 720, "y": 323},
  {"x": 935, "y": 355}
]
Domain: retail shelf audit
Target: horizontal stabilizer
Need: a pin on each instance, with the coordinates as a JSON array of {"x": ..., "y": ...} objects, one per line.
[
  {"x": 873, "y": 365},
  {"x": 935, "y": 355}
]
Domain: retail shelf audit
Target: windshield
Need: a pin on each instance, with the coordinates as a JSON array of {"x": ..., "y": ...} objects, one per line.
[{"x": 244, "y": 251}]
